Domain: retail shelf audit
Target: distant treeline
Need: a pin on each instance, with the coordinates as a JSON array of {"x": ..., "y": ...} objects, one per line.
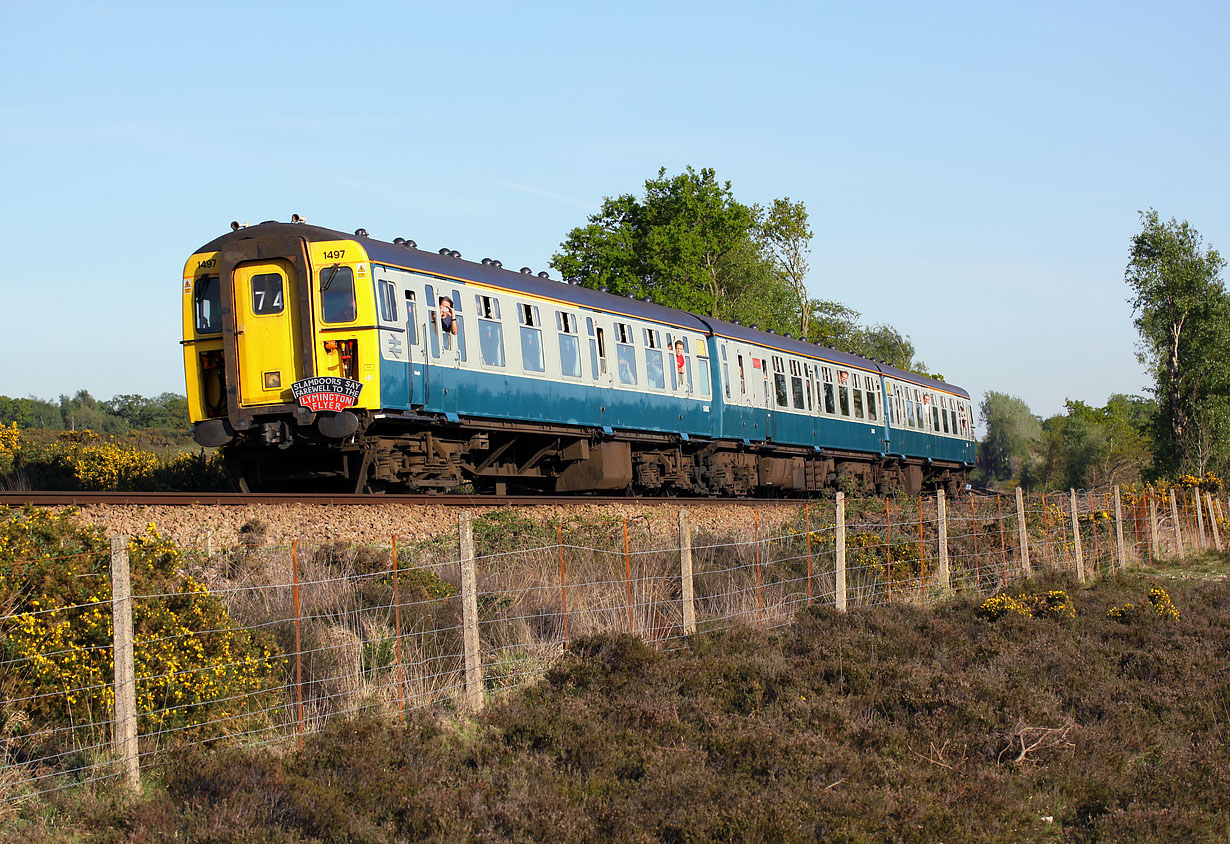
[{"x": 82, "y": 411}]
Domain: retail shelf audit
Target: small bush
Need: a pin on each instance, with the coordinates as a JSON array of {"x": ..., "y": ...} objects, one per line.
[
  {"x": 194, "y": 669},
  {"x": 1051, "y": 604},
  {"x": 1158, "y": 606}
]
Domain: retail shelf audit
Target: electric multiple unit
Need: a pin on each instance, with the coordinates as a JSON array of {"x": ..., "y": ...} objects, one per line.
[{"x": 320, "y": 359}]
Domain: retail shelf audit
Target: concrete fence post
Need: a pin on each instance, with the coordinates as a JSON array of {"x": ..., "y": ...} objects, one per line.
[
  {"x": 1076, "y": 540},
  {"x": 685, "y": 574},
  {"x": 1178, "y": 534},
  {"x": 1023, "y": 533},
  {"x": 469, "y": 617},
  {"x": 839, "y": 577},
  {"x": 1119, "y": 529},
  {"x": 124, "y": 733},
  {"x": 944, "y": 576}
]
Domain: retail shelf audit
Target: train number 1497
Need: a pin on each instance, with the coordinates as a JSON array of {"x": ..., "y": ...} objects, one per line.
[{"x": 335, "y": 254}]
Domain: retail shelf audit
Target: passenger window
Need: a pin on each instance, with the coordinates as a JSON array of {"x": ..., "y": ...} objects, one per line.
[
  {"x": 653, "y": 369},
  {"x": 796, "y": 384},
  {"x": 531, "y": 339},
  {"x": 871, "y": 406},
  {"x": 412, "y": 323},
  {"x": 626, "y": 357},
  {"x": 337, "y": 302},
  {"x": 433, "y": 329},
  {"x": 208, "y": 297},
  {"x": 490, "y": 331},
  {"x": 569, "y": 345},
  {"x": 388, "y": 301},
  {"x": 702, "y": 376},
  {"x": 267, "y": 293},
  {"x": 779, "y": 382},
  {"x": 459, "y": 321},
  {"x": 858, "y": 403},
  {"x": 742, "y": 379},
  {"x": 601, "y": 351},
  {"x": 909, "y": 413}
]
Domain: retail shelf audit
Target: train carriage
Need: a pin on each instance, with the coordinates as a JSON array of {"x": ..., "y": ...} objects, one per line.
[{"x": 320, "y": 358}]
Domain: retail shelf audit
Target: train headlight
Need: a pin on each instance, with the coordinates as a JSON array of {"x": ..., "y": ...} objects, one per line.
[{"x": 273, "y": 380}]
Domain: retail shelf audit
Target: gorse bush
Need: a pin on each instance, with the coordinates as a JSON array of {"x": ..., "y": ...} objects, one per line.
[
  {"x": 194, "y": 669},
  {"x": 1158, "y": 606},
  {"x": 84, "y": 460},
  {"x": 1054, "y": 603}
]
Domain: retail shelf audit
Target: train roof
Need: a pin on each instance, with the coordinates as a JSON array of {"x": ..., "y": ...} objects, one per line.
[{"x": 411, "y": 257}]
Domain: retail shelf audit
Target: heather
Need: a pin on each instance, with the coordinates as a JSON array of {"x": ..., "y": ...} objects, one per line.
[{"x": 887, "y": 723}]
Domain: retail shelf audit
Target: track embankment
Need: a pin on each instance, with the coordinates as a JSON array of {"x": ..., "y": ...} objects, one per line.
[{"x": 375, "y": 519}]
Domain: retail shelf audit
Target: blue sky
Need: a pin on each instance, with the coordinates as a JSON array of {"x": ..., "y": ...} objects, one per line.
[{"x": 973, "y": 171}]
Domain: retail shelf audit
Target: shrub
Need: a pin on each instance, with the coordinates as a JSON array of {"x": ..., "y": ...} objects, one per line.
[
  {"x": 1051, "y": 604},
  {"x": 194, "y": 669},
  {"x": 1159, "y": 606}
]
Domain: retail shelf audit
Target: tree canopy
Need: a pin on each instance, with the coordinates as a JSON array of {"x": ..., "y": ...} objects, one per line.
[
  {"x": 1182, "y": 312},
  {"x": 688, "y": 243}
]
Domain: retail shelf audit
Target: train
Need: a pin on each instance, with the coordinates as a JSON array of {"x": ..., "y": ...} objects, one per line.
[{"x": 317, "y": 359}]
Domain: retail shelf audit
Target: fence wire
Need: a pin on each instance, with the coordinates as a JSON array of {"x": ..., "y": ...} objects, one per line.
[{"x": 314, "y": 631}]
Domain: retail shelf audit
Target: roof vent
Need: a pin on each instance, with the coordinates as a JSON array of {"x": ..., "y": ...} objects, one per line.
[
  {"x": 526, "y": 271},
  {"x": 236, "y": 225},
  {"x": 486, "y": 261},
  {"x": 497, "y": 263},
  {"x": 604, "y": 290},
  {"x": 454, "y": 254},
  {"x": 544, "y": 274},
  {"x": 646, "y": 299},
  {"x": 360, "y": 232},
  {"x": 770, "y": 330},
  {"x": 296, "y": 218},
  {"x": 444, "y": 251},
  {"x": 754, "y": 327},
  {"x": 629, "y": 295},
  {"x": 410, "y": 244},
  {"x": 267, "y": 222},
  {"x": 398, "y": 241},
  {"x": 735, "y": 322}
]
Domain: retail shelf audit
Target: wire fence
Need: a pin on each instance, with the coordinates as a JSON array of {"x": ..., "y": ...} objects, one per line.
[{"x": 267, "y": 643}]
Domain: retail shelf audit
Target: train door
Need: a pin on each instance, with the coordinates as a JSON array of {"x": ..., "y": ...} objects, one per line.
[
  {"x": 266, "y": 306},
  {"x": 766, "y": 394},
  {"x": 395, "y": 349},
  {"x": 414, "y": 314},
  {"x": 447, "y": 329},
  {"x": 600, "y": 371}
]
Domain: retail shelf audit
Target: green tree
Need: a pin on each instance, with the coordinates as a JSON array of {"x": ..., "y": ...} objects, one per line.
[
  {"x": 786, "y": 235},
  {"x": 1182, "y": 312},
  {"x": 1012, "y": 432},
  {"x": 30, "y": 413},
  {"x": 687, "y": 244},
  {"x": 84, "y": 411},
  {"x": 1089, "y": 447}
]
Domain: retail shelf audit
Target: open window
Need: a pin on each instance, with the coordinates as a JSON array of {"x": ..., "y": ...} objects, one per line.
[
  {"x": 490, "y": 330},
  {"x": 569, "y": 344},
  {"x": 532, "y": 359}
]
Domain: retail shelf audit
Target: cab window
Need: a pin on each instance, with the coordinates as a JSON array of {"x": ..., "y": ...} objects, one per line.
[
  {"x": 337, "y": 302},
  {"x": 208, "y": 305},
  {"x": 267, "y": 293}
]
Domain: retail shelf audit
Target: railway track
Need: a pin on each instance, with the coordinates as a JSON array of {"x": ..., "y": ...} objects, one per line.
[
  {"x": 223, "y": 499},
  {"x": 53, "y": 498}
]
